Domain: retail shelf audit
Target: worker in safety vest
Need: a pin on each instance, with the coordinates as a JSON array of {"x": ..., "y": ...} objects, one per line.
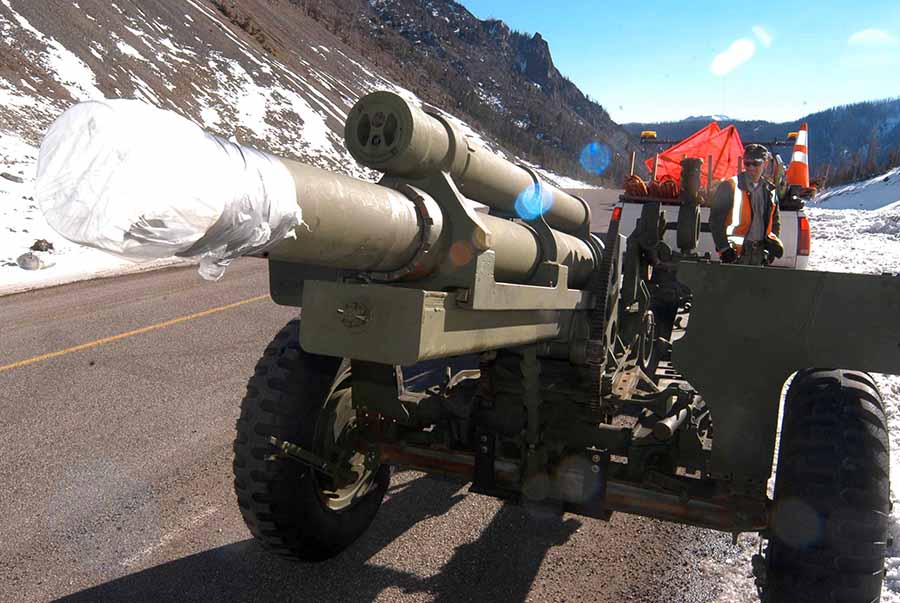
[{"x": 760, "y": 219}]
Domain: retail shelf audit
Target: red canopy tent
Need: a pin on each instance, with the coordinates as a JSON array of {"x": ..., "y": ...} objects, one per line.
[{"x": 725, "y": 146}]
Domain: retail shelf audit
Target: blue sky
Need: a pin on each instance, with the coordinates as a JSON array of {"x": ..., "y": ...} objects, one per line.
[{"x": 657, "y": 60}]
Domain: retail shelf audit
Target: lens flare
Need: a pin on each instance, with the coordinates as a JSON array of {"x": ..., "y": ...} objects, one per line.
[
  {"x": 798, "y": 523},
  {"x": 595, "y": 158},
  {"x": 534, "y": 202}
]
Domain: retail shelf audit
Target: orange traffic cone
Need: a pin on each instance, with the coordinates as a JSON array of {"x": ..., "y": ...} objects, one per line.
[{"x": 798, "y": 171}]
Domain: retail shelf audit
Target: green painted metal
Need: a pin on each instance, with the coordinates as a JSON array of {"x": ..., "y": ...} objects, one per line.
[
  {"x": 750, "y": 328},
  {"x": 407, "y": 270},
  {"x": 387, "y": 133},
  {"x": 349, "y": 223},
  {"x": 398, "y": 231},
  {"x": 400, "y": 326}
]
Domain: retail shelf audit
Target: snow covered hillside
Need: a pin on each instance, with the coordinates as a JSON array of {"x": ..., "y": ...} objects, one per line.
[
  {"x": 22, "y": 224},
  {"x": 293, "y": 105},
  {"x": 869, "y": 194},
  {"x": 223, "y": 73}
]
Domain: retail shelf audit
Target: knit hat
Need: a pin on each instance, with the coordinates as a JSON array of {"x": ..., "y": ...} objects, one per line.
[{"x": 755, "y": 152}]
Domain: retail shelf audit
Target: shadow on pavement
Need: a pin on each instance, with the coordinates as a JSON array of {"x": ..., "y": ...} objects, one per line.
[{"x": 500, "y": 566}]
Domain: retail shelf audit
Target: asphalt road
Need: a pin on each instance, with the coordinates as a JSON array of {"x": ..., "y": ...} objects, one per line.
[
  {"x": 602, "y": 201},
  {"x": 115, "y": 474}
]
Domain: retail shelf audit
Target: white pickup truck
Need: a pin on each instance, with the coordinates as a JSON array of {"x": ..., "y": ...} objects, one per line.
[{"x": 794, "y": 227}]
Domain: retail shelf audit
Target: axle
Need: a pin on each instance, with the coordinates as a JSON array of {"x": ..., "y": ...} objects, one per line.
[{"x": 723, "y": 513}]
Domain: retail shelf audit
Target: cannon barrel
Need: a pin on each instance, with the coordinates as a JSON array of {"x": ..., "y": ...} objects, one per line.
[
  {"x": 99, "y": 185},
  {"x": 356, "y": 225},
  {"x": 387, "y": 133}
]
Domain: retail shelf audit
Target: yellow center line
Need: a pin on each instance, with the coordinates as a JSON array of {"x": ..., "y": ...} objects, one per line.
[{"x": 142, "y": 330}]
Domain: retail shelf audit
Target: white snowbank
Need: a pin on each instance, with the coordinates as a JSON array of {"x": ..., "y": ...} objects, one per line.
[
  {"x": 847, "y": 240},
  {"x": 869, "y": 194},
  {"x": 885, "y": 221},
  {"x": 22, "y": 223}
]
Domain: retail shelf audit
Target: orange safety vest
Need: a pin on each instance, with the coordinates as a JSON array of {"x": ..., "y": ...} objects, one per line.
[{"x": 743, "y": 226}]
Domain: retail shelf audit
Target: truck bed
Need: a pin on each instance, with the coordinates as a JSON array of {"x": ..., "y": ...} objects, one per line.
[{"x": 790, "y": 228}]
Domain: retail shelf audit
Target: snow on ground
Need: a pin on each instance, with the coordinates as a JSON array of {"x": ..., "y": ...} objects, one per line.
[
  {"x": 847, "y": 240},
  {"x": 251, "y": 90},
  {"x": 22, "y": 223},
  {"x": 869, "y": 194},
  {"x": 79, "y": 80}
]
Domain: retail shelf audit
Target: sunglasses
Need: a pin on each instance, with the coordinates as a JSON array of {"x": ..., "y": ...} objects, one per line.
[{"x": 753, "y": 163}]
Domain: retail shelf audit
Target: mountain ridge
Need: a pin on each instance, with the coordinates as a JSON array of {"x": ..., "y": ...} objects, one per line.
[
  {"x": 504, "y": 79},
  {"x": 840, "y": 137},
  {"x": 282, "y": 74}
]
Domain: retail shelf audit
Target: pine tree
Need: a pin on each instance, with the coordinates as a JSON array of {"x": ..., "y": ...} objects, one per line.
[{"x": 871, "y": 165}]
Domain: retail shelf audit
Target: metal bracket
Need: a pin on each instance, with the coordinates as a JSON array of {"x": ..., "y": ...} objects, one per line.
[
  {"x": 291, "y": 451},
  {"x": 475, "y": 281},
  {"x": 584, "y": 230},
  {"x": 545, "y": 235},
  {"x": 592, "y": 496},
  {"x": 428, "y": 216},
  {"x": 549, "y": 271},
  {"x": 375, "y": 388},
  {"x": 485, "y": 293},
  {"x": 456, "y": 140},
  {"x": 484, "y": 479}
]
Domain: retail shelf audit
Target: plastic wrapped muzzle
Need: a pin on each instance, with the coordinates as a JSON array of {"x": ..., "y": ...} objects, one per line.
[{"x": 144, "y": 183}]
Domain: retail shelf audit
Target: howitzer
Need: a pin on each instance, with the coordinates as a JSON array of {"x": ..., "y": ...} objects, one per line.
[
  {"x": 557, "y": 386},
  {"x": 461, "y": 281}
]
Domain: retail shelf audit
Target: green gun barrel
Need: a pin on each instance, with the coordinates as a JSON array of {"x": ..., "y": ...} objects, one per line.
[
  {"x": 387, "y": 133},
  {"x": 356, "y": 225}
]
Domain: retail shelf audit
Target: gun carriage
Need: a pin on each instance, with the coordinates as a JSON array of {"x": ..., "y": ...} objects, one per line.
[
  {"x": 571, "y": 376},
  {"x": 572, "y": 381}
]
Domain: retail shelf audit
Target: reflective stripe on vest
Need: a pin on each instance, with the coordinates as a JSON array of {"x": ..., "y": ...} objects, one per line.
[{"x": 743, "y": 226}]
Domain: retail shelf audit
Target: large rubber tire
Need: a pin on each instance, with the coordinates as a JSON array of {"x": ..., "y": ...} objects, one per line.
[
  {"x": 832, "y": 494},
  {"x": 281, "y": 500}
]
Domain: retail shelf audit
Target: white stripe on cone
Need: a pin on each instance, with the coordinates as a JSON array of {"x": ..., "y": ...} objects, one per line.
[{"x": 800, "y": 156}]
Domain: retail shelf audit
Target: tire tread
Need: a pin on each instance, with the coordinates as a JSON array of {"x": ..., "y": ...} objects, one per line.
[
  {"x": 278, "y": 499},
  {"x": 834, "y": 465}
]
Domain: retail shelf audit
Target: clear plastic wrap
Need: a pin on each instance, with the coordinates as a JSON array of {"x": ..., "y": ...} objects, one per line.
[{"x": 144, "y": 183}]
